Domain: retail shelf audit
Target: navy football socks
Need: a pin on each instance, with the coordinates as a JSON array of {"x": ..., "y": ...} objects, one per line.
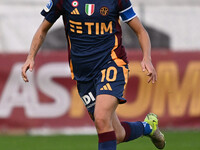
[
  {"x": 147, "y": 128},
  {"x": 107, "y": 141},
  {"x": 135, "y": 130}
]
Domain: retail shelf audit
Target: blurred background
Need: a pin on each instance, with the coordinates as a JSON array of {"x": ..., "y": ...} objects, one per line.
[
  {"x": 172, "y": 24},
  {"x": 50, "y": 105}
]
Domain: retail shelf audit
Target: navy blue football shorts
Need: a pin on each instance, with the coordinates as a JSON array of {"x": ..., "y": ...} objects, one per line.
[{"x": 111, "y": 80}]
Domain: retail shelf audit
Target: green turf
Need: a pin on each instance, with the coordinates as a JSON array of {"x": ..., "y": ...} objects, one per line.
[{"x": 187, "y": 140}]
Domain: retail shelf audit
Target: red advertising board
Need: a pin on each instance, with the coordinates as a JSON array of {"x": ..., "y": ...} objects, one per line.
[{"x": 51, "y": 100}]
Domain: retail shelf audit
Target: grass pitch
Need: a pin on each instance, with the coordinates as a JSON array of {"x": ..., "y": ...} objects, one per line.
[{"x": 181, "y": 140}]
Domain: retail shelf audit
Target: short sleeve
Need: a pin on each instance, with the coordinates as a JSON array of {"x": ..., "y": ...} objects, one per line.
[
  {"x": 126, "y": 11},
  {"x": 52, "y": 10}
]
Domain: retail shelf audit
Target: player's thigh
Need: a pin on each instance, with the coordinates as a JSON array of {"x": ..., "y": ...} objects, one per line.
[
  {"x": 104, "y": 111},
  {"x": 105, "y": 106}
]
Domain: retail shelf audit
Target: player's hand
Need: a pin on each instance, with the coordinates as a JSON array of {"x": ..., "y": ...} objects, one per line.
[
  {"x": 28, "y": 65},
  {"x": 148, "y": 66}
]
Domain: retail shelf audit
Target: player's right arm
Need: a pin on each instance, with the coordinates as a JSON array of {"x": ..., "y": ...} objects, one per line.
[{"x": 35, "y": 46}]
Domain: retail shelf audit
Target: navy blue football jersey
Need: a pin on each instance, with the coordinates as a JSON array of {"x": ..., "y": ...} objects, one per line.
[{"x": 93, "y": 32}]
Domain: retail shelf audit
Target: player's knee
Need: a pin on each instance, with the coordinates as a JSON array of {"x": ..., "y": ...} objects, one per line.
[
  {"x": 101, "y": 121},
  {"x": 102, "y": 124}
]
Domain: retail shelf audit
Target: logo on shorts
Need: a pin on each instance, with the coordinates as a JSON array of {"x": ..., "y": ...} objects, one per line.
[
  {"x": 104, "y": 11},
  {"x": 88, "y": 98},
  {"x": 106, "y": 87},
  {"x": 48, "y": 6}
]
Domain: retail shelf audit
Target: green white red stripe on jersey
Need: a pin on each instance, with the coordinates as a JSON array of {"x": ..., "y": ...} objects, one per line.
[{"x": 89, "y": 9}]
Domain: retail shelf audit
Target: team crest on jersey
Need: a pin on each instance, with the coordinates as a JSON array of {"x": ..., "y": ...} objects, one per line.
[
  {"x": 89, "y": 9},
  {"x": 75, "y": 3},
  {"x": 104, "y": 11},
  {"x": 48, "y": 6}
]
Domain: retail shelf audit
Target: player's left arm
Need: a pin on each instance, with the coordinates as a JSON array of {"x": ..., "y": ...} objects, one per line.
[{"x": 145, "y": 45}]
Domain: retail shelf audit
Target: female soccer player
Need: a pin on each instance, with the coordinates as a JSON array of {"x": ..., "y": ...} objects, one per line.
[{"x": 99, "y": 64}]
